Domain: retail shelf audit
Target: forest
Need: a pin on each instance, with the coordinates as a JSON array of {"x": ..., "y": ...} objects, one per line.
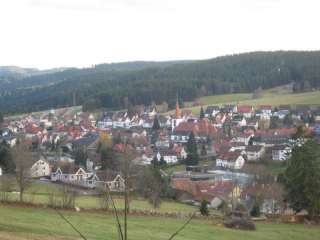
[{"x": 112, "y": 86}]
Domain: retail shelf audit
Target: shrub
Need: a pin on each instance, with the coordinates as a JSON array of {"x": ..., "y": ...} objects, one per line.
[
  {"x": 204, "y": 208},
  {"x": 241, "y": 224}
]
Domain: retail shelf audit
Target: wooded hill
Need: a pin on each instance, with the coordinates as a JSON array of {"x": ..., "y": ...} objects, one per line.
[{"x": 114, "y": 85}]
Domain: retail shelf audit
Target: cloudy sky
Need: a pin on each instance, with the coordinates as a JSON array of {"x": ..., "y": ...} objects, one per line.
[{"x": 54, "y": 33}]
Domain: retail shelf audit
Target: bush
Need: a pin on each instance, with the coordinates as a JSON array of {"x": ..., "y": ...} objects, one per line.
[
  {"x": 204, "y": 208},
  {"x": 241, "y": 224}
]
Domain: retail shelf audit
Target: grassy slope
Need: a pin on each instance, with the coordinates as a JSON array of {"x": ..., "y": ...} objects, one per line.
[
  {"x": 23, "y": 222},
  {"x": 37, "y": 193},
  {"x": 272, "y": 97}
]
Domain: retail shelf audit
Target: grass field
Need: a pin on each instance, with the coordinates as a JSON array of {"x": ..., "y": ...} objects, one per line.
[
  {"x": 38, "y": 193},
  {"x": 17, "y": 223},
  {"x": 274, "y": 97}
]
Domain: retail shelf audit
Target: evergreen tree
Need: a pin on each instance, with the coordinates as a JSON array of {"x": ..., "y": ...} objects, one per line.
[
  {"x": 192, "y": 151},
  {"x": 201, "y": 113},
  {"x": 156, "y": 124},
  {"x": 6, "y": 161},
  {"x": 302, "y": 179},
  {"x": 1, "y": 117},
  {"x": 162, "y": 162},
  {"x": 107, "y": 158},
  {"x": 288, "y": 121},
  {"x": 204, "y": 208},
  {"x": 155, "y": 162},
  {"x": 80, "y": 157}
]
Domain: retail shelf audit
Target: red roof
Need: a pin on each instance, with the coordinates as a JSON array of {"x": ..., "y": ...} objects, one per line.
[
  {"x": 230, "y": 156},
  {"x": 204, "y": 189},
  {"x": 122, "y": 147},
  {"x": 265, "y": 107},
  {"x": 245, "y": 109},
  {"x": 198, "y": 128}
]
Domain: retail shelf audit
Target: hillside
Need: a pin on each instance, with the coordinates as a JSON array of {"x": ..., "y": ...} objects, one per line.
[
  {"x": 268, "y": 98},
  {"x": 109, "y": 85},
  {"x": 28, "y": 223}
]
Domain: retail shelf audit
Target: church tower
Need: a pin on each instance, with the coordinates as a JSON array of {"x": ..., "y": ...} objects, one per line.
[{"x": 177, "y": 119}]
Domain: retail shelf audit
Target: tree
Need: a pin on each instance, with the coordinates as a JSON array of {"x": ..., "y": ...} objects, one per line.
[
  {"x": 255, "y": 210},
  {"x": 203, "y": 150},
  {"x": 107, "y": 158},
  {"x": 80, "y": 156},
  {"x": 23, "y": 160},
  {"x": 302, "y": 179},
  {"x": 151, "y": 185},
  {"x": 156, "y": 124},
  {"x": 192, "y": 151},
  {"x": 275, "y": 122},
  {"x": 204, "y": 208},
  {"x": 201, "y": 113},
  {"x": 1, "y": 118},
  {"x": 6, "y": 161},
  {"x": 288, "y": 121},
  {"x": 162, "y": 162}
]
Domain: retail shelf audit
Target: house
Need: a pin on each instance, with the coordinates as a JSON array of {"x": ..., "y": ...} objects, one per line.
[
  {"x": 71, "y": 176},
  {"x": 254, "y": 153},
  {"x": 244, "y": 137},
  {"x": 109, "y": 181},
  {"x": 280, "y": 152},
  {"x": 229, "y": 109},
  {"x": 215, "y": 192},
  {"x": 168, "y": 155},
  {"x": 316, "y": 115},
  {"x": 281, "y": 114},
  {"x": 231, "y": 160},
  {"x": 211, "y": 111},
  {"x": 106, "y": 121},
  {"x": 239, "y": 120},
  {"x": 40, "y": 168},
  {"x": 201, "y": 129},
  {"x": 266, "y": 109},
  {"x": 245, "y": 110},
  {"x": 251, "y": 123},
  {"x": 180, "y": 151}
]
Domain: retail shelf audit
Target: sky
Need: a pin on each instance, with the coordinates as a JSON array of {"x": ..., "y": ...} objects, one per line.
[{"x": 80, "y": 33}]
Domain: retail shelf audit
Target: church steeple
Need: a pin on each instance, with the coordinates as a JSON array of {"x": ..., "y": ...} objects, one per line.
[{"x": 178, "y": 111}]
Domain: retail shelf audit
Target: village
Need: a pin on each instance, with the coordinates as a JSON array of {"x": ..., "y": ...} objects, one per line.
[{"x": 235, "y": 147}]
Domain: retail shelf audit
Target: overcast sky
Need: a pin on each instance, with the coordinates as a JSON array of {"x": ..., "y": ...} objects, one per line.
[{"x": 55, "y": 33}]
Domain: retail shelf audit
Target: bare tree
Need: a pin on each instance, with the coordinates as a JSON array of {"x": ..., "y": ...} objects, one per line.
[
  {"x": 23, "y": 159},
  {"x": 6, "y": 185},
  {"x": 151, "y": 185}
]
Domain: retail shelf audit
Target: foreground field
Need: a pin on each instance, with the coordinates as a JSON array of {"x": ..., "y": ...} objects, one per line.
[
  {"x": 27, "y": 223},
  {"x": 272, "y": 97},
  {"x": 38, "y": 193}
]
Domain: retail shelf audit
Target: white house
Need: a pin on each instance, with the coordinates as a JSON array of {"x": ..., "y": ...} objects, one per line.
[
  {"x": 254, "y": 153},
  {"x": 212, "y": 111},
  {"x": 40, "y": 168},
  {"x": 280, "y": 152},
  {"x": 168, "y": 155},
  {"x": 231, "y": 160}
]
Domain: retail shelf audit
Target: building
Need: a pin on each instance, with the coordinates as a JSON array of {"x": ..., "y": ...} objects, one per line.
[
  {"x": 254, "y": 153},
  {"x": 280, "y": 152},
  {"x": 177, "y": 119},
  {"x": 40, "y": 168},
  {"x": 231, "y": 160}
]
